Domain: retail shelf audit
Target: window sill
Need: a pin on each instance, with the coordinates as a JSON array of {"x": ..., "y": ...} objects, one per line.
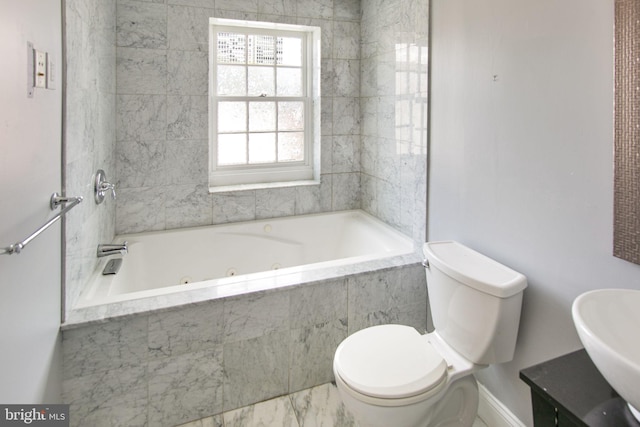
[{"x": 262, "y": 186}]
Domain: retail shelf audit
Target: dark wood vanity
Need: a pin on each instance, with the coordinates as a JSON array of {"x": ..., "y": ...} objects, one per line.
[{"x": 569, "y": 391}]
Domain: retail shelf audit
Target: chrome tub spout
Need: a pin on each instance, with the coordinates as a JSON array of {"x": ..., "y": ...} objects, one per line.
[{"x": 112, "y": 249}]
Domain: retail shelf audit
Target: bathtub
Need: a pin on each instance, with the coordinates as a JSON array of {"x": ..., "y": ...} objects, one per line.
[{"x": 174, "y": 267}]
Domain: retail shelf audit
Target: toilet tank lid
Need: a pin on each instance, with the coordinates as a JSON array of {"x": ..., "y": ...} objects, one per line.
[{"x": 474, "y": 269}]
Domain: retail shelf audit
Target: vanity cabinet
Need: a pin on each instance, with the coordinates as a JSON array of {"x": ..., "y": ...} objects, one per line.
[{"x": 569, "y": 391}]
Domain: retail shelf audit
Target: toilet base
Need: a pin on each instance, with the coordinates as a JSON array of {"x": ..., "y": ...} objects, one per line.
[
  {"x": 456, "y": 406},
  {"x": 459, "y": 406}
]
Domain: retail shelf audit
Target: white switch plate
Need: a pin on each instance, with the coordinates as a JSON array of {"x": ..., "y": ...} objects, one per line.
[
  {"x": 30, "y": 68},
  {"x": 51, "y": 72},
  {"x": 41, "y": 69}
]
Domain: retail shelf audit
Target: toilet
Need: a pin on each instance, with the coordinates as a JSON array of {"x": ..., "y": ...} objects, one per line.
[{"x": 391, "y": 375}]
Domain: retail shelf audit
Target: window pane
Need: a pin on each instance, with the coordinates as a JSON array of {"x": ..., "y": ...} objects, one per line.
[
  {"x": 289, "y": 81},
  {"x": 262, "y": 49},
  {"x": 261, "y": 81},
  {"x": 231, "y": 80},
  {"x": 231, "y": 48},
  {"x": 290, "y": 146},
  {"x": 232, "y": 117},
  {"x": 232, "y": 149},
  {"x": 290, "y": 116},
  {"x": 262, "y": 147},
  {"x": 262, "y": 116},
  {"x": 289, "y": 51},
  {"x": 262, "y": 100}
]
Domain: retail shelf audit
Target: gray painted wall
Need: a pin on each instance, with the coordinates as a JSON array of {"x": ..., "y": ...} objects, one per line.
[
  {"x": 521, "y": 158},
  {"x": 30, "y": 149}
]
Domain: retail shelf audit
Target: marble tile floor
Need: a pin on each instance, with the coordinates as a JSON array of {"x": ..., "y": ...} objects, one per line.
[{"x": 314, "y": 407}]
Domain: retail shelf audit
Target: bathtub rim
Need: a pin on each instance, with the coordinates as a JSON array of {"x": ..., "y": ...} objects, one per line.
[
  {"x": 252, "y": 283},
  {"x": 98, "y": 314}
]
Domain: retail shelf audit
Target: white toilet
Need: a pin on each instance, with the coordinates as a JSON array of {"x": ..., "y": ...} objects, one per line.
[{"x": 391, "y": 376}]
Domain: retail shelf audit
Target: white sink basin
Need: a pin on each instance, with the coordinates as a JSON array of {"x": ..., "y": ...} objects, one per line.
[{"x": 608, "y": 323}]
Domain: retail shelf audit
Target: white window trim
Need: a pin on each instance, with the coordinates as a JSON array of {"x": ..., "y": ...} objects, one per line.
[{"x": 231, "y": 178}]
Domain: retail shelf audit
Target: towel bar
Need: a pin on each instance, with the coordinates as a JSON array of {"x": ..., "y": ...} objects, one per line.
[{"x": 54, "y": 202}]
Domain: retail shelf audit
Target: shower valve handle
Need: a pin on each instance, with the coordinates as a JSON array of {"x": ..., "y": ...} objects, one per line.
[
  {"x": 101, "y": 186},
  {"x": 107, "y": 186}
]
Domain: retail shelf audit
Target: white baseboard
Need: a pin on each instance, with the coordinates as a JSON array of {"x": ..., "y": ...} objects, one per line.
[{"x": 493, "y": 412}]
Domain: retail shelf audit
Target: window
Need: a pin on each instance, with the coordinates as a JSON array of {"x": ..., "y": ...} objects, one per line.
[{"x": 264, "y": 104}]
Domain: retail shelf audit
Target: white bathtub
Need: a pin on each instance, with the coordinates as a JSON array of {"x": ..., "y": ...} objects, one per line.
[{"x": 230, "y": 259}]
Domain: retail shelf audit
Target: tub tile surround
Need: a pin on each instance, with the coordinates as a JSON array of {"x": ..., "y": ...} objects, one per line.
[
  {"x": 162, "y": 64},
  {"x": 175, "y": 358},
  {"x": 139, "y": 113},
  {"x": 90, "y": 124},
  {"x": 185, "y": 384},
  {"x": 393, "y": 104},
  {"x": 177, "y": 365}
]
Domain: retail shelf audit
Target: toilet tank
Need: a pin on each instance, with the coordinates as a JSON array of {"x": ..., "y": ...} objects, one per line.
[{"x": 475, "y": 301}]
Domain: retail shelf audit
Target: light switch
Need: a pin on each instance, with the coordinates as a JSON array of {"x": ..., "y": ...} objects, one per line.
[{"x": 40, "y": 69}]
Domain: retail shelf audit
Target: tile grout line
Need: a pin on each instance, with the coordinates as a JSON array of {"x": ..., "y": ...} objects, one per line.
[{"x": 293, "y": 408}]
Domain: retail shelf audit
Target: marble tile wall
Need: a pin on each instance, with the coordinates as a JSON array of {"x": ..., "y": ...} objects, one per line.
[
  {"x": 161, "y": 150},
  {"x": 150, "y": 136},
  {"x": 90, "y": 123},
  {"x": 171, "y": 367},
  {"x": 393, "y": 90}
]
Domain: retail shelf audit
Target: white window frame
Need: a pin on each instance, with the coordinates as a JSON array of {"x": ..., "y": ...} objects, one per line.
[{"x": 306, "y": 172}]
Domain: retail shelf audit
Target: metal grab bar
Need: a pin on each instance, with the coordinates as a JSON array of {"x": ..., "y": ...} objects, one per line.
[{"x": 55, "y": 201}]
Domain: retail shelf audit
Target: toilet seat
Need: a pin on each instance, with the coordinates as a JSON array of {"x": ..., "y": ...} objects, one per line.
[{"x": 389, "y": 362}]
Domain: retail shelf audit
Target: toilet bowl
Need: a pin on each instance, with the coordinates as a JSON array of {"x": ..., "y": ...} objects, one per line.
[
  {"x": 391, "y": 375},
  {"x": 405, "y": 380}
]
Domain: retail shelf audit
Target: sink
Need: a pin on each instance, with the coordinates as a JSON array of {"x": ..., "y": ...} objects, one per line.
[{"x": 608, "y": 324}]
